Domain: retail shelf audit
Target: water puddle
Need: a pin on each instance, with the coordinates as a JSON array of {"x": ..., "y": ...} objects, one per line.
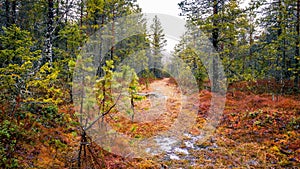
[{"x": 173, "y": 149}]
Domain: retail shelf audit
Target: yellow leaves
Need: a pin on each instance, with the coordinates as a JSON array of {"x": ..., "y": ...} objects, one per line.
[
  {"x": 67, "y": 118},
  {"x": 15, "y": 75},
  {"x": 146, "y": 164},
  {"x": 43, "y": 84},
  {"x": 71, "y": 64},
  {"x": 46, "y": 159},
  {"x": 26, "y": 65},
  {"x": 29, "y": 99},
  {"x": 95, "y": 26},
  {"x": 275, "y": 149}
]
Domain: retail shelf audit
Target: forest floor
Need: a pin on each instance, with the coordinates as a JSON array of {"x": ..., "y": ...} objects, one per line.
[{"x": 254, "y": 132}]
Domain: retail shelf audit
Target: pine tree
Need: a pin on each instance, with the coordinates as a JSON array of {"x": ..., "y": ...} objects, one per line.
[
  {"x": 225, "y": 25},
  {"x": 297, "y": 46},
  {"x": 157, "y": 43},
  {"x": 277, "y": 42},
  {"x": 187, "y": 51},
  {"x": 17, "y": 65}
]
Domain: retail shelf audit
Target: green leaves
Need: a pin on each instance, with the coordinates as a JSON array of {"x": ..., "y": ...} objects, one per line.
[{"x": 10, "y": 132}]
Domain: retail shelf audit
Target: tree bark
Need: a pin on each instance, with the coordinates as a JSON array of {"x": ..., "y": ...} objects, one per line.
[
  {"x": 279, "y": 49},
  {"x": 297, "y": 53},
  {"x": 57, "y": 9},
  {"x": 67, "y": 4},
  {"x": 215, "y": 36},
  {"x": 49, "y": 33},
  {"x": 81, "y": 13},
  {"x": 113, "y": 33},
  {"x": 7, "y": 13},
  {"x": 14, "y": 12}
]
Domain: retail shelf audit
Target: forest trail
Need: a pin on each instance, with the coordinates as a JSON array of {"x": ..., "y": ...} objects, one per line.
[
  {"x": 247, "y": 134},
  {"x": 167, "y": 102},
  {"x": 244, "y": 124},
  {"x": 163, "y": 102}
]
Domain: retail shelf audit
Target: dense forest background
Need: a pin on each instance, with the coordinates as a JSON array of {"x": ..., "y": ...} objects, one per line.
[{"x": 41, "y": 40}]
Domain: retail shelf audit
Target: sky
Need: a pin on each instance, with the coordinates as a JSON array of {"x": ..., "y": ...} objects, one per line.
[
  {"x": 160, "y": 6},
  {"x": 168, "y": 7}
]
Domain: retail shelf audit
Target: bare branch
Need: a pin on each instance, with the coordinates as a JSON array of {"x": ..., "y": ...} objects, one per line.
[{"x": 102, "y": 115}]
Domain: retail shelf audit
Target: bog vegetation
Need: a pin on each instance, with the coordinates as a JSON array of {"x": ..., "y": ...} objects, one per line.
[{"x": 258, "y": 45}]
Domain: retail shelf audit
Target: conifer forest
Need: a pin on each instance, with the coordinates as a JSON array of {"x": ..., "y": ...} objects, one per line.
[{"x": 92, "y": 84}]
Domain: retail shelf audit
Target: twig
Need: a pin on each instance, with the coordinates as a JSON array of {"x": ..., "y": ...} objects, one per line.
[{"x": 101, "y": 116}]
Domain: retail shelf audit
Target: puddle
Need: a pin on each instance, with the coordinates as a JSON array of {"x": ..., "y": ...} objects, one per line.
[
  {"x": 167, "y": 147},
  {"x": 174, "y": 157},
  {"x": 181, "y": 150},
  {"x": 166, "y": 144},
  {"x": 173, "y": 149}
]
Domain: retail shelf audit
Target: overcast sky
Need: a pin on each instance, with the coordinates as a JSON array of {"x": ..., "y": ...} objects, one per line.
[
  {"x": 160, "y": 6},
  {"x": 169, "y": 7},
  {"x": 165, "y": 6}
]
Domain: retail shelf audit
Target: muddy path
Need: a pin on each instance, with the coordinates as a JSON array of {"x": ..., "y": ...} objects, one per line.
[
  {"x": 254, "y": 131},
  {"x": 182, "y": 140}
]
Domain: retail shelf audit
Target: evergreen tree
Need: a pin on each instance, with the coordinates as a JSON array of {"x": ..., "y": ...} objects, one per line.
[
  {"x": 278, "y": 42},
  {"x": 157, "y": 43},
  {"x": 17, "y": 65},
  {"x": 187, "y": 51},
  {"x": 297, "y": 46},
  {"x": 225, "y": 25}
]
